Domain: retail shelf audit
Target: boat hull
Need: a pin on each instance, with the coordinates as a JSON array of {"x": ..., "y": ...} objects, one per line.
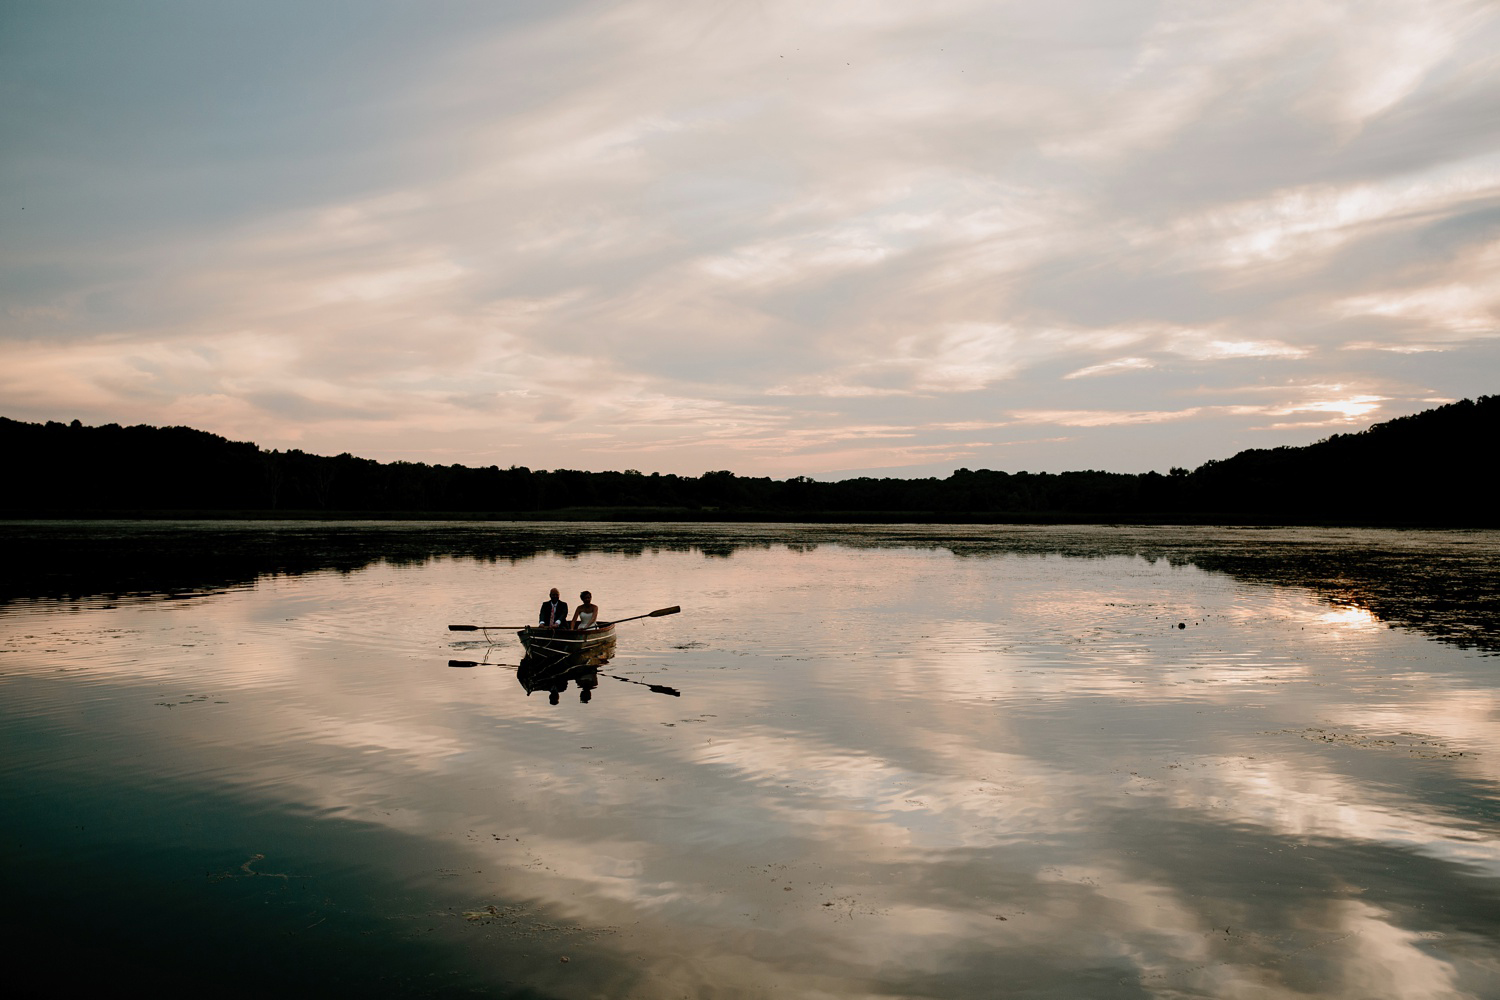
[{"x": 566, "y": 643}]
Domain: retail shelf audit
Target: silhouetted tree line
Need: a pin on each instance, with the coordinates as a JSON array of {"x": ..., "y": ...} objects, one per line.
[{"x": 1425, "y": 468}]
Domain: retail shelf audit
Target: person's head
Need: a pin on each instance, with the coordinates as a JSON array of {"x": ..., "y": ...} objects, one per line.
[
  {"x": 553, "y": 593},
  {"x": 587, "y": 597}
]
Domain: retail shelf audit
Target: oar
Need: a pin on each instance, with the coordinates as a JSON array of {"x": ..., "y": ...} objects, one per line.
[
  {"x": 482, "y": 628},
  {"x": 655, "y": 614}
]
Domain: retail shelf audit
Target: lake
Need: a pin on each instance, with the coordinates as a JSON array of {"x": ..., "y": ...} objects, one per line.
[{"x": 900, "y": 761}]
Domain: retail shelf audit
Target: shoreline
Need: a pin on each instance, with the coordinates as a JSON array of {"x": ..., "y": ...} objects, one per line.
[{"x": 645, "y": 515}]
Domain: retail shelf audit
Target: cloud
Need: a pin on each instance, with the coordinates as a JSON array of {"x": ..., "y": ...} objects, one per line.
[
  {"x": 709, "y": 230},
  {"x": 1334, "y": 411},
  {"x": 1446, "y": 311},
  {"x": 1209, "y": 350},
  {"x": 1111, "y": 367},
  {"x": 1308, "y": 222}
]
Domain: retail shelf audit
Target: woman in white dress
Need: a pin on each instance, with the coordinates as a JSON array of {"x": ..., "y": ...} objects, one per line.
[{"x": 587, "y": 613}]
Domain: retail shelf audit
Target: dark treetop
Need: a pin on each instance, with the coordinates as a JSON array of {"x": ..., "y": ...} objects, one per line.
[{"x": 1421, "y": 469}]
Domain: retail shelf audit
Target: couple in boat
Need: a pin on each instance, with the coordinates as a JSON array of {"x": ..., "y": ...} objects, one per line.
[{"x": 554, "y": 613}]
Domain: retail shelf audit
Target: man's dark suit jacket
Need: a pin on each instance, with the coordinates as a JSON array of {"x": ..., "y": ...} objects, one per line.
[{"x": 562, "y": 612}]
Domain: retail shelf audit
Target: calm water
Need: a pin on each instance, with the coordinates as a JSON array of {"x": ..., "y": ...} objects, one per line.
[{"x": 926, "y": 762}]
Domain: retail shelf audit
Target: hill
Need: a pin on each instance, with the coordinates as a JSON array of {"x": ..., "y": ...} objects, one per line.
[{"x": 1424, "y": 467}]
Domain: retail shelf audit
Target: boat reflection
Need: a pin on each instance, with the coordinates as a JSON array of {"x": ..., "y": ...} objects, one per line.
[
  {"x": 539, "y": 674},
  {"x": 553, "y": 674}
]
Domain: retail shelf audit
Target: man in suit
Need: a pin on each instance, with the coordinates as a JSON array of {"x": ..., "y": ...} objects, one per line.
[{"x": 554, "y": 612}]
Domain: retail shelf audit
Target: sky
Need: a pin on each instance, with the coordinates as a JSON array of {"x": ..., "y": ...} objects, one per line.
[{"x": 781, "y": 238}]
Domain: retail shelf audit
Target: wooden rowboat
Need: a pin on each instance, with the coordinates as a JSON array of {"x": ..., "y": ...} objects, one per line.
[{"x": 596, "y": 643}]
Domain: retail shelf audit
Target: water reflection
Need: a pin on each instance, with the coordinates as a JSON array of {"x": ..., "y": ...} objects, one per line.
[
  {"x": 925, "y": 768},
  {"x": 553, "y": 674},
  {"x": 1440, "y": 583}
]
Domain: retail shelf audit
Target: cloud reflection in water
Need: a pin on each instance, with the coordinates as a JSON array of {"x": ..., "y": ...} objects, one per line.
[{"x": 893, "y": 768}]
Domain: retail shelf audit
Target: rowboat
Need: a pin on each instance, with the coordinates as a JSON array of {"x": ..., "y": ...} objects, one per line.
[
  {"x": 542, "y": 643},
  {"x": 596, "y": 642}
]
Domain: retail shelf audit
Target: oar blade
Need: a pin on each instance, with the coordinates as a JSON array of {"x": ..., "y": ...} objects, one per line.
[
  {"x": 463, "y": 628},
  {"x": 674, "y": 609}
]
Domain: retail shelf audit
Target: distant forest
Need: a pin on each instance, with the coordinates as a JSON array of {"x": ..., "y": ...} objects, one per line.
[{"x": 1421, "y": 469}]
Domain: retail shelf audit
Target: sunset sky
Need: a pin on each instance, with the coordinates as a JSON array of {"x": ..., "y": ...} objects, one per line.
[{"x": 811, "y": 238}]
